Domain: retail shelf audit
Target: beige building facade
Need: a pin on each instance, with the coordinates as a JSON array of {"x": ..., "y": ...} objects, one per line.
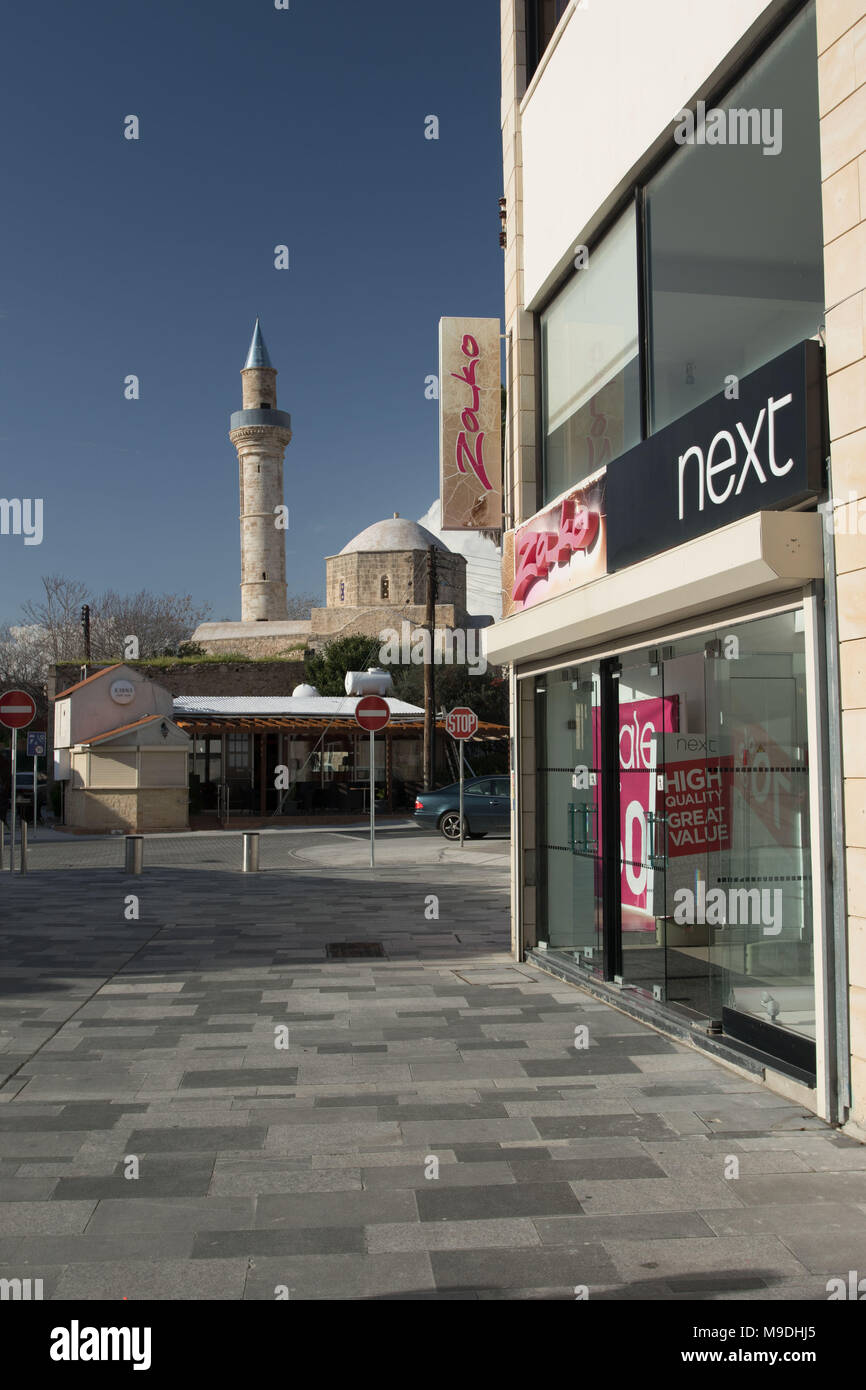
[
  {"x": 118, "y": 754},
  {"x": 684, "y": 558}
]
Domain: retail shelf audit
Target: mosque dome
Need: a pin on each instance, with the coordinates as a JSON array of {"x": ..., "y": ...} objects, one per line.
[{"x": 395, "y": 533}]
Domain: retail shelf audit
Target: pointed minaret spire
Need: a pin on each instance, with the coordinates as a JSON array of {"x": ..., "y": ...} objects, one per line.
[
  {"x": 260, "y": 433},
  {"x": 258, "y": 353}
]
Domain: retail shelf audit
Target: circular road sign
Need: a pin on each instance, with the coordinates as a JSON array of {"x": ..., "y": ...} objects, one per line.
[
  {"x": 17, "y": 709},
  {"x": 372, "y": 713},
  {"x": 462, "y": 722}
]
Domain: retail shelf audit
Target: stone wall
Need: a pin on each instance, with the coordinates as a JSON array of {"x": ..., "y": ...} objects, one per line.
[
  {"x": 207, "y": 677},
  {"x": 331, "y": 623},
  {"x": 842, "y": 89},
  {"x": 129, "y": 811},
  {"x": 361, "y": 573}
]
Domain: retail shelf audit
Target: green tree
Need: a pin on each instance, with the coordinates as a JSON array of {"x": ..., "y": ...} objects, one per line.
[
  {"x": 486, "y": 694},
  {"x": 326, "y": 669}
]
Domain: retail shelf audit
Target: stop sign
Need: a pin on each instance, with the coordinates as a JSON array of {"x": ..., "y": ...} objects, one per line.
[
  {"x": 17, "y": 709},
  {"x": 372, "y": 713},
  {"x": 462, "y": 722}
]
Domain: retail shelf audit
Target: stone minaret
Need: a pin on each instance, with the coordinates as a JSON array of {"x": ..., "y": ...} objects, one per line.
[{"x": 260, "y": 434}]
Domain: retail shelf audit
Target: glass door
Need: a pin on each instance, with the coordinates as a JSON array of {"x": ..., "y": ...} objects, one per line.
[
  {"x": 763, "y": 966},
  {"x": 647, "y": 714},
  {"x": 568, "y": 808}
]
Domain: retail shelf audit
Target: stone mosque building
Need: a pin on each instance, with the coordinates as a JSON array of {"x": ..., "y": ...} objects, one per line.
[{"x": 378, "y": 580}]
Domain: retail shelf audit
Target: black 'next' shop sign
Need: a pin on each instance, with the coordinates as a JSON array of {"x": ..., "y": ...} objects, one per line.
[{"x": 721, "y": 462}]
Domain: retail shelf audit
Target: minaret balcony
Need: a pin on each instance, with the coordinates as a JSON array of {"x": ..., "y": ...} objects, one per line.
[{"x": 279, "y": 419}]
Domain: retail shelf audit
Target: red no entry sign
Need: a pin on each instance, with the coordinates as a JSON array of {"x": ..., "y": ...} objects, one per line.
[
  {"x": 372, "y": 713},
  {"x": 17, "y": 709},
  {"x": 462, "y": 722}
]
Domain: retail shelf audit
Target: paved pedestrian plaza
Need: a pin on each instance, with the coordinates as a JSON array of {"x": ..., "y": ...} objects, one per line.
[{"x": 203, "y": 1101}]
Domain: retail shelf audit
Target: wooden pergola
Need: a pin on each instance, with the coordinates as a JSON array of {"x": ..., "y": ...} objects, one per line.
[{"x": 306, "y": 727}]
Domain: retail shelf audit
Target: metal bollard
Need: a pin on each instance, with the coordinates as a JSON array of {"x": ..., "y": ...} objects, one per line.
[
  {"x": 134, "y": 853},
  {"x": 251, "y": 852},
  {"x": 22, "y": 867}
]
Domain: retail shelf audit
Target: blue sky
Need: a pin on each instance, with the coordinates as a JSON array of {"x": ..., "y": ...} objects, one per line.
[{"x": 153, "y": 257}]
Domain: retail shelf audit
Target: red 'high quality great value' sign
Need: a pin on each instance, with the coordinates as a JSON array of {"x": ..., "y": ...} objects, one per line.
[{"x": 697, "y": 794}]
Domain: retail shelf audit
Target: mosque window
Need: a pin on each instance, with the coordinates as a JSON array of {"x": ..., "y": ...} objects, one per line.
[
  {"x": 342, "y": 590},
  {"x": 385, "y": 587}
]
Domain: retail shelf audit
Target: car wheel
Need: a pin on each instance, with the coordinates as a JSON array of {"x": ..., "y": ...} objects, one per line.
[{"x": 449, "y": 825}]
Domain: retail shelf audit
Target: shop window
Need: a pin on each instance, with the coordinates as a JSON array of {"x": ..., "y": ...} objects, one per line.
[
  {"x": 590, "y": 364},
  {"x": 703, "y": 895},
  {"x": 542, "y": 17},
  {"x": 734, "y": 233}
]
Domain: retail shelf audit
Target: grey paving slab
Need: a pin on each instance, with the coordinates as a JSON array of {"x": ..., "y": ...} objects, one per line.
[
  {"x": 453, "y": 1235},
  {"x": 172, "y": 1214},
  {"x": 642, "y": 1195},
  {"x": 334, "y": 1209},
  {"x": 783, "y": 1220},
  {"x": 568, "y": 1230},
  {"x": 94, "y": 1248},
  {"x": 186, "y": 1139},
  {"x": 485, "y": 1203},
  {"x": 830, "y": 1252},
  {"x": 450, "y": 1175},
  {"x": 27, "y": 1218},
  {"x": 138, "y": 1280},
  {"x": 293, "y": 1240},
  {"x": 339, "y": 1277},
  {"x": 580, "y": 1126},
  {"x": 545, "y": 1268},
  {"x": 800, "y": 1187},
  {"x": 763, "y": 1256}
]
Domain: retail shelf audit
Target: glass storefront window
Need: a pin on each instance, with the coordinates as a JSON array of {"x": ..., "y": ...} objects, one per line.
[
  {"x": 590, "y": 365},
  {"x": 734, "y": 234},
  {"x": 710, "y": 904},
  {"x": 567, "y": 713}
]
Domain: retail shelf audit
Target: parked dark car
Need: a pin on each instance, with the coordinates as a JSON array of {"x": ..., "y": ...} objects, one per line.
[
  {"x": 24, "y": 797},
  {"x": 486, "y": 807}
]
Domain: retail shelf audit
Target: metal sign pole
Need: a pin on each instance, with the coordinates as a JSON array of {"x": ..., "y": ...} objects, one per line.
[
  {"x": 14, "y": 795},
  {"x": 372, "y": 800},
  {"x": 35, "y": 788},
  {"x": 460, "y": 741}
]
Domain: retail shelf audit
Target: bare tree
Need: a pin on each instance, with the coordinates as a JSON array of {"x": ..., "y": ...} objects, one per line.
[
  {"x": 58, "y": 614},
  {"x": 25, "y": 656},
  {"x": 299, "y": 605},
  {"x": 159, "y": 622}
]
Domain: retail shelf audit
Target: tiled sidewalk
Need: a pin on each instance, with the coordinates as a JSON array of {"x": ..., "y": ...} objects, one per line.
[{"x": 633, "y": 1167}]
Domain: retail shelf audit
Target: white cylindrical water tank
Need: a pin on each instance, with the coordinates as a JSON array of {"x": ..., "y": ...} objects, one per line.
[{"x": 375, "y": 681}]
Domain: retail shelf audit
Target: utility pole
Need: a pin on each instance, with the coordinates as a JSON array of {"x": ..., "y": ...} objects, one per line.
[
  {"x": 85, "y": 623},
  {"x": 429, "y": 690}
]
